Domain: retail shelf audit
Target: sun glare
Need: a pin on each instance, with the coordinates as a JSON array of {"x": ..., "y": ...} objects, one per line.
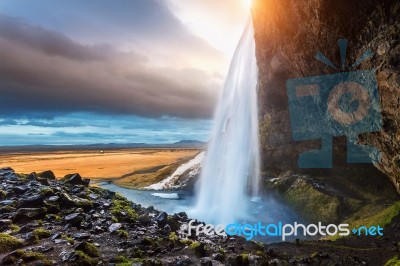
[{"x": 248, "y": 3}]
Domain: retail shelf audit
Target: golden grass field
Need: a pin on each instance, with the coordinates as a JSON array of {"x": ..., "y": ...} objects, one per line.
[{"x": 128, "y": 167}]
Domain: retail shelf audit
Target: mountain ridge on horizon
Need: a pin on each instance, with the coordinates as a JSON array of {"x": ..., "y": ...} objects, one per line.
[{"x": 95, "y": 146}]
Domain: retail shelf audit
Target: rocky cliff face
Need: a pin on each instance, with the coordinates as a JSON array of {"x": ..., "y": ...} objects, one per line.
[{"x": 288, "y": 34}]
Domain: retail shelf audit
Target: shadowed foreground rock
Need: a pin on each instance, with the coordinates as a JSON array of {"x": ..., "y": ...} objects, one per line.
[{"x": 82, "y": 225}]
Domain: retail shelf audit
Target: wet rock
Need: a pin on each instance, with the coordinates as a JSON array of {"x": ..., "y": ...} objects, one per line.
[
  {"x": 114, "y": 227},
  {"x": 65, "y": 255},
  {"x": 7, "y": 202},
  {"x": 47, "y": 174},
  {"x": 19, "y": 190},
  {"x": 81, "y": 236},
  {"x": 43, "y": 181},
  {"x": 74, "y": 219},
  {"x": 166, "y": 229},
  {"x": 53, "y": 199},
  {"x": 150, "y": 209},
  {"x": 144, "y": 219},
  {"x": 206, "y": 261},
  {"x": 32, "y": 176},
  {"x": 218, "y": 257},
  {"x": 55, "y": 236},
  {"x": 161, "y": 219},
  {"x": 26, "y": 214},
  {"x": 29, "y": 227},
  {"x": 66, "y": 201},
  {"x": 183, "y": 261},
  {"x": 60, "y": 241},
  {"x": 44, "y": 249},
  {"x": 181, "y": 215},
  {"x": 4, "y": 224},
  {"x": 200, "y": 249},
  {"x": 76, "y": 179},
  {"x": 275, "y": 262},
  {"x": 93, "y": 196},
  {"x": 7, "y": 209},
  {"x": 8, "y": 174},
  {"x": 32, "y": 201}
]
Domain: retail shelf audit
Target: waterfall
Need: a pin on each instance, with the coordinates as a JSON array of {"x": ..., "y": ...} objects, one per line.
[{"x": 231, "y": 169}]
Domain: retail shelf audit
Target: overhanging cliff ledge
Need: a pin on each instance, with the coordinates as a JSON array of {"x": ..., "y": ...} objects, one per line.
[{"x": 288, "y": 34}]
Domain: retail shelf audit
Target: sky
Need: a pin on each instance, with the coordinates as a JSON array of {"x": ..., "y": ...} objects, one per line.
[{"x": 103, "y": 71}]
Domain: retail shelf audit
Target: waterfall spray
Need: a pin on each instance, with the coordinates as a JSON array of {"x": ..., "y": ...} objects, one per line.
[{"x": 231, "y": 169}]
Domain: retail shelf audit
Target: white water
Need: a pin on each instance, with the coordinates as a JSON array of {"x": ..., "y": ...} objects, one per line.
[
  {"x": 230, "y": 173},
  {"x": 166, "y": 195},
  {"x": 170, "y": 181}
]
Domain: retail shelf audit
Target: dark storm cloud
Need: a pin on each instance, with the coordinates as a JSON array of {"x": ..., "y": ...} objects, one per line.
[
  {"x": 50, "y": 43},
  {"x": 45, "y": 71}
]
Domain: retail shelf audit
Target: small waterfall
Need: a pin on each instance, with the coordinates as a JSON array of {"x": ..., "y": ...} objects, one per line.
[{"x": 230, "y": 172}]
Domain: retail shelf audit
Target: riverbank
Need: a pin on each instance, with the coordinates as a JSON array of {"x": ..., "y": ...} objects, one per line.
[{"x": 129, "y": 167}]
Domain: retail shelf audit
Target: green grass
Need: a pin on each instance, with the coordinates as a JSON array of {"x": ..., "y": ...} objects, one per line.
[
  {"x": 28, "y": 256},
  {"x": 173, "y": 237},
  {"x": 89, "y": 249},
  {"x": 83, "y": 259},
  {"x": 124, "y": 261},
  {"x": 395, "y": 261},
  {"x": 121, "y": 205},
  {"x": 70, "y": 240},
  {"x": 3, "y": 194},
  {"x": 42, "y": 233},
  {"x": 371, "y": 215},
  {"x": 122, "y": 233},
  {"x": 14, "y": 228},
  {"x": 382, "y": 218},
  {"x": 8, "y": 243},
  {"x": 194, "y": 245}
]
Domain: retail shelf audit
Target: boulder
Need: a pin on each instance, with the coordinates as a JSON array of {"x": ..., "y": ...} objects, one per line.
[
  {"x": 26, "y": 214},
  {"x": 73, "y": 219},
  {"x": 76, "y": 179},
  {"x": 33, "y": 201},
  {"x": 114, "y": 227},
  {"x": 47, "y": 174}
]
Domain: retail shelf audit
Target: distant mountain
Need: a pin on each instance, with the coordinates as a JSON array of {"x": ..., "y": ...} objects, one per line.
[
  {"x": 105, "y": 146},
  {"x": 189, "y": 143}
]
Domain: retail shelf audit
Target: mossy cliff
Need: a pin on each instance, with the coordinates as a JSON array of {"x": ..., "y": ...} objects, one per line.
[{"x": 288, "y": 34}]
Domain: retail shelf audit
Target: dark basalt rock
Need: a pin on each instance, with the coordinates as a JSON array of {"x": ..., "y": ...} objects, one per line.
[
  {"x": 31, "y": 201},
  {"x": 74, "y": 219},
  {"x": 114, "y": 227},
  {"x": 161, "y": 219},
  {"x": 26, "y": 214},
  {"x": 8, "y": 173},
  {"x": 47, "y": 174},
  {"x": 86, "y": 235},
  {"x": 76, "y": 179}
]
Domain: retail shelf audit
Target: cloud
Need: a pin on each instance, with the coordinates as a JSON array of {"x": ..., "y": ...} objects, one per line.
[
  {"x": 44, "y": 71},
  {"x": 85, "y": 128},
  {"x": 39, "y": 123},
  {"x": 8, "y": 122}
]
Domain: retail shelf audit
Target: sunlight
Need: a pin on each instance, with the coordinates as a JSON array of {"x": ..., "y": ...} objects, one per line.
[{"x": 248, "y": 3}]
